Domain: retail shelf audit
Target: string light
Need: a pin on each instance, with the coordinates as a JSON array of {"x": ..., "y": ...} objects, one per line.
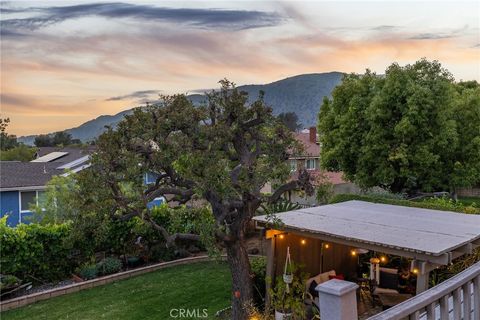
[
  {"x": 327, "y": 246},
  {"x": 282, "y": 236},
  {"x": 354, "y": 253},
  {"x": 415, "y": 270},
  {"x": 303, "y": 241},
  {"x": 383, "y": 258}
]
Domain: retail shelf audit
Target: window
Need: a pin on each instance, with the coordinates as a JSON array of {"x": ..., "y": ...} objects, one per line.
[
  {"x": 310, "y": 164},
  {"x": 293, "y": 165},
  {"x": 29, "y": 198}
]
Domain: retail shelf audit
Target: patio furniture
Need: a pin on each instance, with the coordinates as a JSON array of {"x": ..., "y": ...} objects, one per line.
[
  {"x": 311, "y": 295},
  {"x": 388, "y": 281},
  {"x": 388, "y": 300}
]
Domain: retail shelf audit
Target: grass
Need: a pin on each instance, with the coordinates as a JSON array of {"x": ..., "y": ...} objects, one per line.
[
  {"x": 467, "y": 201},
  {"x": 149, "y": 296}
]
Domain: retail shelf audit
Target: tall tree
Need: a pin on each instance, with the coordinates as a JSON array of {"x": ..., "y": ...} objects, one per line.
[
  {"x": 399, "y": 131},
  {"x": 7, "y": 141},
  {"x": 43, "y": 140},
  {"x": 60, "y": 138},
  {"x": 223, "y": 152},
  {"x": 290, "y": 120},
  {"x": 465, "y": 159}
]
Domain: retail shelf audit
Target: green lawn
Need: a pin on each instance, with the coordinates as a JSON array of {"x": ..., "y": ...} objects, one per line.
[{"x": 149, "y": 296}]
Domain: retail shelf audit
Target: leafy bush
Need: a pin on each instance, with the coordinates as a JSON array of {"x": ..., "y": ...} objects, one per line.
[
  {"x": 108, "y": 266},
  {"x": 259, "y": 270},
  {"x": 8, "y": 281},
  {"x": 36, "y": 252},
  {"x": 161, "y": 253},
  {"x": 189, "y": 220},
  {"x": 88, "y": 272},
  {"x": 433, "y": 203}
]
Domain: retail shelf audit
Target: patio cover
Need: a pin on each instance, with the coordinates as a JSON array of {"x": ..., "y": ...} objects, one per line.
[{"x": 427, "y": 235}]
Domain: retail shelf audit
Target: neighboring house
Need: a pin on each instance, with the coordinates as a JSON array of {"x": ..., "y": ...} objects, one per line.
[
  {"x": 309, "y": 159},
  {"x": 23, "y": 183}
]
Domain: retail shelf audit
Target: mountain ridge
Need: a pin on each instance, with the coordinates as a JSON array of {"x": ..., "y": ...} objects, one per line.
[{"x": 302, "y": 94}]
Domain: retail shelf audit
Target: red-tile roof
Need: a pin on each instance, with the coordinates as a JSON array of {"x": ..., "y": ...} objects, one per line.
[{"x": 311, "y": 149}]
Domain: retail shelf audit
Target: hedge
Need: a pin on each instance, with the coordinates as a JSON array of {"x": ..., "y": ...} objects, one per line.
[
  {"x": 34, "y": 252},
  {"x": 435, "y": 204}
]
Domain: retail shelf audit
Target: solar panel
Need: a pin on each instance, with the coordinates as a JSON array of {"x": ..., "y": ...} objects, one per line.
[
  {"x": 74, "y": 163},
  {"x": 50, "y": 156}
]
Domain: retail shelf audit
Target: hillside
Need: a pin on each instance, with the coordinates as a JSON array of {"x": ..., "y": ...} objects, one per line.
[{"x": 301, "y": 94}]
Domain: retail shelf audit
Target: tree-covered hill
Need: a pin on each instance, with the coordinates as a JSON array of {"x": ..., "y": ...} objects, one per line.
[{"x": 301, "y": 94}]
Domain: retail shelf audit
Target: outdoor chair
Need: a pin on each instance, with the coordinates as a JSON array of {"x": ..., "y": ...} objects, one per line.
[
  {"x": 311, "y": 295},
  {"x": 388, "y": 283}
]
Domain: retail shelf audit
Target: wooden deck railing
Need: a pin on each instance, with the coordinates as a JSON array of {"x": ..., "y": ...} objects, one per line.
[{"x": 458, "y": 298}]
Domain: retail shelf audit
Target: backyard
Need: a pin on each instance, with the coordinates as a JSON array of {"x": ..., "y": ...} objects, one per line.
[{"x": 196, "y": 286}]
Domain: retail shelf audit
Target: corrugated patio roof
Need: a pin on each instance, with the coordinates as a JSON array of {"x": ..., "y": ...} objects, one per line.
[{"x": 407, "y": 229}]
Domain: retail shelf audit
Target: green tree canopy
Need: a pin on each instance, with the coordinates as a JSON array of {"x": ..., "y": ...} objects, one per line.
[
  {"x": 290, "y": 120},
  {"x": 222, "y": 153},
  {"x": 7, "y": 141},
  {"x": 410, "y": 130},
  {"x": 60, "y": 138},
  {"x": 19, "y": 153}
]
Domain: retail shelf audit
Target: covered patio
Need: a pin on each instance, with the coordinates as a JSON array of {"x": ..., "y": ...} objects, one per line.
[{"x": 331, "y": 237}]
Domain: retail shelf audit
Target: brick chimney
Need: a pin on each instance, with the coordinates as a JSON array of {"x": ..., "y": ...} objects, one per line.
[{"x": 313, "y": 134}]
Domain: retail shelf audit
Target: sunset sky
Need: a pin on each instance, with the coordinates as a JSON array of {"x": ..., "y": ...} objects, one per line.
[{"x": 64, "y": 63}]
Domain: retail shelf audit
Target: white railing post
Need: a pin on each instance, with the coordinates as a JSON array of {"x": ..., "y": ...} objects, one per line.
[{"x": 338, "y": 300}]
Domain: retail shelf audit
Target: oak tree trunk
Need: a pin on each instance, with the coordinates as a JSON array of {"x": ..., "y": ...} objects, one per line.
[{"x": 242, "y": 292}]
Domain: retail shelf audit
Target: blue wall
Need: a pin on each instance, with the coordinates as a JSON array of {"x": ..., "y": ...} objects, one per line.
[{"x": 9, "y": 205}]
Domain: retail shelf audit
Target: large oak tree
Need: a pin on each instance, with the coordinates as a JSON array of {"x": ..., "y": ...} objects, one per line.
[
  {"x": 413, "y": 129},
  {"x": 223, "y": 153}
]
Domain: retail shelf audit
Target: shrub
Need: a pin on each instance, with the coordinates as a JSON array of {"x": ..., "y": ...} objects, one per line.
[
  {"x": 433, "y": 203},
  {"x": 36, "y": 252},
  {"x": 88, "y": 272},
  {"x": 189, "y": 220},
  {"x": 161, "y": 253},
  {"x": 109, "y": 265},
  {"x": 259, "y": 270},
  {"x": 8, "y": 281}
]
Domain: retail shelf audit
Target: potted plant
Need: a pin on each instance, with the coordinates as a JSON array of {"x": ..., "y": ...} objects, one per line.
[
  {"x": 288, "y": 299},
  {"x": 288, "y": 271}
]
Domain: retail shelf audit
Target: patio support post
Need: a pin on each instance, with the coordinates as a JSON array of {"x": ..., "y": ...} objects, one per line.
[
  {"x": 422, "y": 281},
  {"x": 423, "y": 269},
  {"x": 338, "y": 300}
]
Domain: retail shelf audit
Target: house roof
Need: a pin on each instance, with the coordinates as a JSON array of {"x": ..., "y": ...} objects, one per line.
[
  {"x": 424, "y": 234},
  {"x": 311, "y": 149},
  {"x": 70, "y": 153},
  {"x": 16, "y": 175},
  {"x": 50, "y": 161}
]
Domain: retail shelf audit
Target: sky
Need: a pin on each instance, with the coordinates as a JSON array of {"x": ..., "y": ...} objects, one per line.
[{"x": 67, "y": 62}]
